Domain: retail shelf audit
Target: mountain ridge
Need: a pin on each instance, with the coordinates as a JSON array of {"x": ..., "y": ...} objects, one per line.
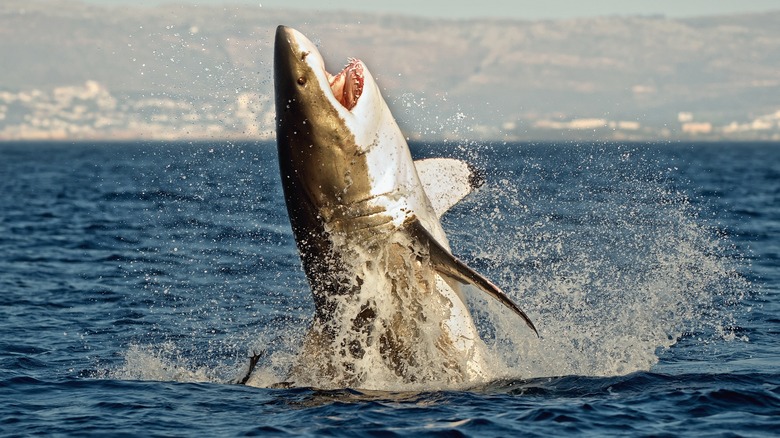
[{"x": 484, "y": 78}]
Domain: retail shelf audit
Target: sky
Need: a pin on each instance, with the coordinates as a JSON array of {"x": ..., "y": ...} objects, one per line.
[{"x": 518, "y": 9}]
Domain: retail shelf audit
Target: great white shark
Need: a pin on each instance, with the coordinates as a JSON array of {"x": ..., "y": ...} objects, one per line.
[{"x": 386, "y": 286}]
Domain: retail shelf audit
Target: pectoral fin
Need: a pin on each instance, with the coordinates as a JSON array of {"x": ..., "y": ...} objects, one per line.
[
  {"x": 446, "y": 181},
  {"x": 448, "y": 265}
]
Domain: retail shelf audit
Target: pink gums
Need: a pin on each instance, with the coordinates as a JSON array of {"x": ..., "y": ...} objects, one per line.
[{"x": 347, "y": 86}]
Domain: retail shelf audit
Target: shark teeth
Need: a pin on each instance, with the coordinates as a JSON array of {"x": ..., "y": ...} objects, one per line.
[{"x": 347, "y": 85}]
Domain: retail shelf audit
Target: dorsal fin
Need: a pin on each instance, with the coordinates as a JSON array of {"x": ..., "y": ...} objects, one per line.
[{"x": 446, "y": 181}]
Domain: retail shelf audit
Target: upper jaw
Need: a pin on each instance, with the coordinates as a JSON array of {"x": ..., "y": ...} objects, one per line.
[{"x": 345, "y": 87}]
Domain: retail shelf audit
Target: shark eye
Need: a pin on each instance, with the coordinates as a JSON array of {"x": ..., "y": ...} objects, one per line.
[{"x": 301, "y": 80}]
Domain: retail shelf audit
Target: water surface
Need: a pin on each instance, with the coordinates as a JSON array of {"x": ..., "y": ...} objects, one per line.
[{"x": 138, "y": 277}]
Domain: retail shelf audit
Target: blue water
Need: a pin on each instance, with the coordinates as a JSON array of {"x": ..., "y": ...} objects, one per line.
[{"x": 136, "y": 278}]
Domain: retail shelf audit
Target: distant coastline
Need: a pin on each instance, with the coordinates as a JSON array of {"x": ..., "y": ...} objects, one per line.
[{"x": 85, "y": 72}]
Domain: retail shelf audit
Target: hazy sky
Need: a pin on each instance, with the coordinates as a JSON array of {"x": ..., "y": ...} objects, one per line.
[{"x": 523, "y": 9}]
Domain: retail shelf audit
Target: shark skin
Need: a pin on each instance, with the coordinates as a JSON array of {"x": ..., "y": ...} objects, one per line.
[{"x": 389, "y": 311}]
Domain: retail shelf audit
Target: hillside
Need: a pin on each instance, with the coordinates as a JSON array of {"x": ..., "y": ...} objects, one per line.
[{"x": 182, "y": 71}]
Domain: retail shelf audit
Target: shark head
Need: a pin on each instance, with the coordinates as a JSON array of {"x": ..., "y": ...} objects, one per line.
[
  {"x": 298, "y": 59},
  {"x": 338, "y": 141}
]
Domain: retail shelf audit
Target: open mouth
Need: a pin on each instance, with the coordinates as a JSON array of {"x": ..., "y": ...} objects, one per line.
[{"x": 347, "y": 85}]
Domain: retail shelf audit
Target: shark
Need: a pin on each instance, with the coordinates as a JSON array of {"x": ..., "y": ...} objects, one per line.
[{"x": 389, "y": 305}]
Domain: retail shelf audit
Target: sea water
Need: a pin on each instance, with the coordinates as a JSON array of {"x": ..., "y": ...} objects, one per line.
[{"x": 137, "y": 279}]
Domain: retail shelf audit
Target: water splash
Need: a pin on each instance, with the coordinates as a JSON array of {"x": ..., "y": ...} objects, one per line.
[
  {"x": 164, "y": 362},
  {"x": 612, "y": 261}
]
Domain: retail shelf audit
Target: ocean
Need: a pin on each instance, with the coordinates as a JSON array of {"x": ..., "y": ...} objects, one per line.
[{"x": 136, "y": 279}]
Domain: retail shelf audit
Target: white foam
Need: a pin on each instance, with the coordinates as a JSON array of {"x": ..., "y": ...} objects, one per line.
[{"x": 608, "y": 294}]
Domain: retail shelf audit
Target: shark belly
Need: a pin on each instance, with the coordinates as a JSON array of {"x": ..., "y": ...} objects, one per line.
[{"x": 394, "y": 319}]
